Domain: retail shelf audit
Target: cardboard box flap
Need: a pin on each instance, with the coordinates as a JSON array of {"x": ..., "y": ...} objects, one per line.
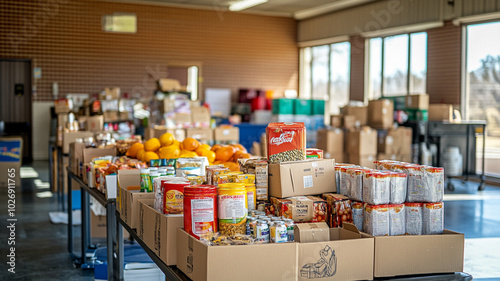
[
  {"x": 350, "y": 227},
  {"x": 128, "y": 178}
]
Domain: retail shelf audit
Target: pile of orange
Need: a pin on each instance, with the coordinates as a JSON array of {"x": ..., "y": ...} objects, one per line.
[{"x": 167, "y": 147}]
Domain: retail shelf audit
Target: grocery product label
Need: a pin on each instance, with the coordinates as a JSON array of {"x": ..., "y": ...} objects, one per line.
[
  {"x": 302, "y": 209},
  {"x": 174, "y": 202},
  {"x": 250, "y": 200},
  {"x": 202, "y": 214},
  {"x": 308, "y": 181},
  {"x": 232, "y": 208}
]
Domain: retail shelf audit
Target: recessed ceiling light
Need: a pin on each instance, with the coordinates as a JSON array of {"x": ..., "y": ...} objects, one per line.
[{"x": 245, "y": 4}]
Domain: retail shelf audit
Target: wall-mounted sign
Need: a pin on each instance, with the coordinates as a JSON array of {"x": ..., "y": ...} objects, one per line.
[{"x": 37, "y": 72}]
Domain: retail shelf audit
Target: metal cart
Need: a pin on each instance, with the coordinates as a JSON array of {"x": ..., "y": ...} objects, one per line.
[{"x": 462, "y": 134}]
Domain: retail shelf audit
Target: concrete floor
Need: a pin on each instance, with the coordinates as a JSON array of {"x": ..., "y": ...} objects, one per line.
[{"x": 41, "y": 247}]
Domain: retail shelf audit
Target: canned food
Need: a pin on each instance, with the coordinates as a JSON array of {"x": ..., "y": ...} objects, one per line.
[
  {"x": 251, "y": 196},
  {"x": 232, "y": 206},
  {"x": 261, "y": 231},
  {"x": 145, "y": 181},
  {"x": 162, "y": 171},
  {"x": 249, "y": 220},
  {"x": 200, "y": 209},
  {"x": 174, "y": 196},
  {"x": 195, "y": 180},
  {"x": 279, "y": 232}
]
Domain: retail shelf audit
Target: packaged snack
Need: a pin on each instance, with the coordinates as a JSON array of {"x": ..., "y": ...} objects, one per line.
[
  {"x": 432, "y": 218},
  {"x": 314, "y": 153},
  {"x": 397, "y": 224},
  {"x": 286, "y": 142},
  {"x": 340, "y": 170},
  {"x": 355, "y": 183},
  {"x": 190, "y": 166},
  {"x": 358, "y": 209},
  {"x": 425, "y": 184},
  {"x": 338, "y": 209},
  {"x": 251, "y": 196},
  {"x": 376, "y": 188},
  {"x": 398, "y": 188},
  {"x": 376, "y": 220},
  {"x": 257, "y": 167},
  {"x": 413, "y": 213},
  {"x": 245, "y": 178},
  {"x": 301, "y": 208}
]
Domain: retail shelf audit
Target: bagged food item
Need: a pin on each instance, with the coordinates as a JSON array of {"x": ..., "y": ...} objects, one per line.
[
  {"x": 398, "y": 187},
  {"x": 433, "y": 218},
  {"x": 209, "y": 172},
  {"x": 286, "y": 142},
  {"x": 257, "y": 167},
  {"x": 425, "y": 184},
  {"x": 376, "y": 220},
  {"x": 340, "y": 170},
  {"x": 358, "y": 209},
  {"x": 314, "y": 153},
  {"x": 413, "y": 213},
  {"x": 338, "y": 209},
  {"x": 376, "y": 187},
  {"x": 355, "y": 183},
  {"x": 300, "y": 208},
  {"x": 397, "y": 222},
  {"x": 384, "y": 164}
]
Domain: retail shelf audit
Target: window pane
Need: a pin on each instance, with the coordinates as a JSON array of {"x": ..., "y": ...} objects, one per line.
[
  {"x": 395, "y": 65},
  {"x": 320, "y": 72},
  {"x": 375, "y": 68},
  {"x": 418, "y": 63},
  {"x": 305, "y": 79},
  {"x": 340, "y": 65}
]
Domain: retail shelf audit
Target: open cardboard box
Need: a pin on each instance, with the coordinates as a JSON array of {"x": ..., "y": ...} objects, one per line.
[
  {"x": 347, "y": 256},
  {"x": 159, "y": 231},
  {"x": 418, "y": 254},
  {"x": 128, "y": 196},
  {"x": 200, "y": 262},
  {"x": 69, "y": 137},
  {"x": 307, "y": 177}
]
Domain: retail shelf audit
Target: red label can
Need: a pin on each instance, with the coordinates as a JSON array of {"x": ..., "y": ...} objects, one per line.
[
  {"x": 173, "y": 196},
  {"x": 200, "y": 209}
]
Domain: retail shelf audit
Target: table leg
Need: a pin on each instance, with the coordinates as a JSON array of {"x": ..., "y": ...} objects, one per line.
[
  {"x": 85, "y": 212},
  {"x": 110, "y": 236},
  {"x": 119, "y": 251},
  {"x": 70, "y": 217}
]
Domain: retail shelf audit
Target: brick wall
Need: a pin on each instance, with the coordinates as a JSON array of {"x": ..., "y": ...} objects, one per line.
[
  {"x": 65, "y": 39},
  {"x": 444, "y": 64}
]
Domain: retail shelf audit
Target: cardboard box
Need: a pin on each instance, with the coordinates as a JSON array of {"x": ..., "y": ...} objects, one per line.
[
  {"x": 112, "y": 93},
  {"x": 347, "y": 256},
  {"x": 63, "y": 106},
  {"x": 350, "y": 122},
  {"x": 272, "y": 261},
  {"x": 76, "y": 156},
  {"x": 360, "y": 113},
  {"x": 205, "y": 135},
  {"x": 384, "y": 156},
  {"x": 69, "y": 137},
  {"x": 404, "y": 158},
  {"x": 94, "y": 123},
  {"x": 336, "y": 121},
  {"x": 301, "y": 178},
  {"x": 11, "y": 155},
  {"x": 183, "y": 119},
  {"x": 80, "y": 155},
  {"x": 97, "y": 226},
  {"x": 440, "y": 112},
  {"x": 418, "y": 254},
  {"x": 110, "y": 116},
  {"x": 386, "y": 145},
  {"x": 381, "y": 114},
  {"x": 62, "y": 119},
  {"x": 311, "y": 232},
  {"x": 331, "y": 141},
  {"x": 300, "y": 208},
  {"x": 338, "y": 157},
  {"x": 227, "y": 134},
  {"x": 417, "y": 101},
  {"x": 200, "y": 117},
  {"x": 159, "y": 231},
  {"x": 361, "y": 142},
  {"x": 128, "y": 199},
  {"x": 362, "y": 160},
  {"x": 402, "y": 141}
]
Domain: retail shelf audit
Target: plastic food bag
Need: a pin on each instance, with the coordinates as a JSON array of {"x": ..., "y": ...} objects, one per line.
[
  {"x": 397, "y": 224},
  {"x": 398, "y": 188},
  {"x": 358, "y": 210},
  {"x": 356, "y": 184},
  {"x": 433, "y": 218},
  {"x": 413, "y": 213},
  {"x": 376, "y": 220},
  {"x": 376, "y": 188}
]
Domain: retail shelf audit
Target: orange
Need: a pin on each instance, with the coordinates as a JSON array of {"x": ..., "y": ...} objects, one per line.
[
  {"x": 239, "y": 147},
  {"x": 167, "y": 139},
  {"x": 209, "y": 154},
  {"x": 132, "y": 151},
  {"x": 215, "y": 147},
  {"x": 148, "y": 156},
  {"x": 187, "y": 154},
  {"x": 202, "y": 148},
  {"x": 232, "y": 166},
  {"x": 224, "y": 153},
  {"x": 190, "y": 144},
  {"x": 140, "y": 153},
  {"x": 152, "y": 144},
  {"x": 169, "y": 152}
]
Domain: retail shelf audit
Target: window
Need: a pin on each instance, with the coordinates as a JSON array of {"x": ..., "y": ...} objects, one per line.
[
  {"x": 120, "y": 22},
  {"x": 326, "y": 74},
  {"x": 397, "y": 65},
  {"x": 481, "y": 99}
]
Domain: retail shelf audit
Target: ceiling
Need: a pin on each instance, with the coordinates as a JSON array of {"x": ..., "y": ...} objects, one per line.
[{"x": 299, "y": 9}]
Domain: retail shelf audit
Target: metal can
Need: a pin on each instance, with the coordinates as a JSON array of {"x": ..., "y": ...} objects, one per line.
[
  {"x": 152, "y": 176},
  {"x": 249, "y": 219},
  {"x": 174, "y": 196},
  {"x": 261, "y": 231},
  {"x": 145, "y": 181},
  {"x": 153, "y": 169},
  {"x": 251, "y": 196},
  {"x": 279, "y": 233},
  {"x": 155, "y": 162},
  {"x": 290, "y": 228},
  {"x": 232, "y": 208},
  {"x": 200, "y": 209},
  {"x": 252, "y": 223},
  {"x": 170, "y": 171}
]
